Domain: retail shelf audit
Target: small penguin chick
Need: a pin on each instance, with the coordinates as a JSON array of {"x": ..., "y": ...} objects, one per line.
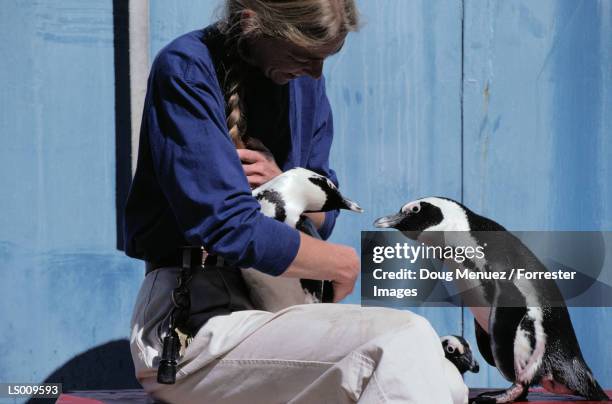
[
  {"x": 458, "y": 351},
  {"x": 298, "y": 191}
]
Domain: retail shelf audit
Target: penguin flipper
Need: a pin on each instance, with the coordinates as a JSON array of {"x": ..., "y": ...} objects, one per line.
[{"x": 484, "y": 343}]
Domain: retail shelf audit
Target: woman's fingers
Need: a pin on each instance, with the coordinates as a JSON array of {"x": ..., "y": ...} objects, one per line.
[
  {"x": 256, "y": 180},
  {"x": 252, "y": 169},
  {"x": 250, "y": 156},
  {"x": 346, "y": 273},
  {"x": 258, "y": 168},
  {"x": 341, "y": 291},
  {"x": 257, "y": 174}
]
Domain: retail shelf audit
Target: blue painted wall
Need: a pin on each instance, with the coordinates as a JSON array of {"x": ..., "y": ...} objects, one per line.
[
  {"x": 537, "y": 131},
  {"x": 389, "y": 87},
  {"x": 518, "y": 123},
  {"x": 65, "y": 288}
]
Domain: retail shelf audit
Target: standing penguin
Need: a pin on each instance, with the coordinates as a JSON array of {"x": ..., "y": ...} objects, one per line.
[
  {"x": 285, "y": 198},
  {"x": 531, "y": 340}
]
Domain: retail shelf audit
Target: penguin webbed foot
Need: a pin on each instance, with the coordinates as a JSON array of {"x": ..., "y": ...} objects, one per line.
[{"x": 510, "y": 395}]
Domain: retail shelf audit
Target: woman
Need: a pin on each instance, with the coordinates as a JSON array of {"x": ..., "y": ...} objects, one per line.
[{"x": 227, "y": 109}]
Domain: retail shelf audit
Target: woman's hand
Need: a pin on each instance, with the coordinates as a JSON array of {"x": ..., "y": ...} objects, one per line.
[
  {"x": 347, "y": 271},
  {"x": 321, "y": 260},
  {"x": 258, "y": 167}
]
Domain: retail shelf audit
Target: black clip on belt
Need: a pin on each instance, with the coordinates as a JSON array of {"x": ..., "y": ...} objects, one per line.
[
  {"x": 194, "y": 256},
  {"x": 191, "y": 257}
]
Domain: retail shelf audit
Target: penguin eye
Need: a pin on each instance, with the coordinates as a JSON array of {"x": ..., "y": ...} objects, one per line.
[
  {"x": 450, "y": 349},
  {"x": 415, "y": 209}
]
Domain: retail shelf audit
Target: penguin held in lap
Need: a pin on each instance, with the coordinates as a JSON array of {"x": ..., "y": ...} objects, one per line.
[{"x": 285, "y": 198}]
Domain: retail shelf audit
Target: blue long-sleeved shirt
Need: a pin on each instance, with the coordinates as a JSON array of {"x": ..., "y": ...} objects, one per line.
[{"x": 189, "y": 186}]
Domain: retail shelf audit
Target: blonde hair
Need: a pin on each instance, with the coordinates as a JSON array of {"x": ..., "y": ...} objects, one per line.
[{"x": 305, "y": 23}]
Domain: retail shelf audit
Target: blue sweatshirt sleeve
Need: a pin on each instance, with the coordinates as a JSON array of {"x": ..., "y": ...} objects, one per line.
[
  {"x": 200, "y": 174},
  {"x": 318, "y": 160}
]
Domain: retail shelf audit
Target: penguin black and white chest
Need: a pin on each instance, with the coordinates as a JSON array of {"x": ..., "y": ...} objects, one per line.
[
  {"x": 522, "y": 325},
  {"x": 285, "y": 198}
]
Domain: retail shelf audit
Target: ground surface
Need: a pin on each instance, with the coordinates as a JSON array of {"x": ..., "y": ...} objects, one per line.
[{"x": 536, "y": 396}]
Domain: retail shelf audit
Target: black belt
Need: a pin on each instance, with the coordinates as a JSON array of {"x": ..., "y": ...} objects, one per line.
[{"x": 191, "y": 257}]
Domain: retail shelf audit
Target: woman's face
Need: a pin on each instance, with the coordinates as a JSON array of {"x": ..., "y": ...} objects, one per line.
[{"x": 281, "y": 61}]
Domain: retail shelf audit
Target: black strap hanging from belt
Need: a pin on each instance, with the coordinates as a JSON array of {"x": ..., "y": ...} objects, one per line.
[{"x": 192, "y": 257}]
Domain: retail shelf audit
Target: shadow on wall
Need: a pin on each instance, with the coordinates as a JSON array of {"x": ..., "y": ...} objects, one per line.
[
  {"x": 105, "y": 367},
  {"x": 123, "y": 121}
]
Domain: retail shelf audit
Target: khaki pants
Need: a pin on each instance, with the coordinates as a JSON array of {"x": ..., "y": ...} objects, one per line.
[{"x": 316, "y": 353}]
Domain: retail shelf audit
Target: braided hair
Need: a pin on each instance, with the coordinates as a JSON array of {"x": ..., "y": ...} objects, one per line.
[{"x": 306, "y": 23}]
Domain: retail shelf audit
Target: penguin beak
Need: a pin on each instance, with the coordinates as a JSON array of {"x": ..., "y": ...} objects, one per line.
[
  {"x": 389, "y": 221},
  {"x": 350, "y": 205},
  {"x": 465, "y": 362},
  {"x": 474, "y": 367}
]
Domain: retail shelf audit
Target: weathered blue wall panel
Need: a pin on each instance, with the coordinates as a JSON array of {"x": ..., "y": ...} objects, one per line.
[
  {"x": 169, "y": 19},
  {"x": 395, "y": 90},
  {"x": 537, "y": 133},
  {"x": 65, "y": 289},
  {"x": 536, "y": 151}
]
